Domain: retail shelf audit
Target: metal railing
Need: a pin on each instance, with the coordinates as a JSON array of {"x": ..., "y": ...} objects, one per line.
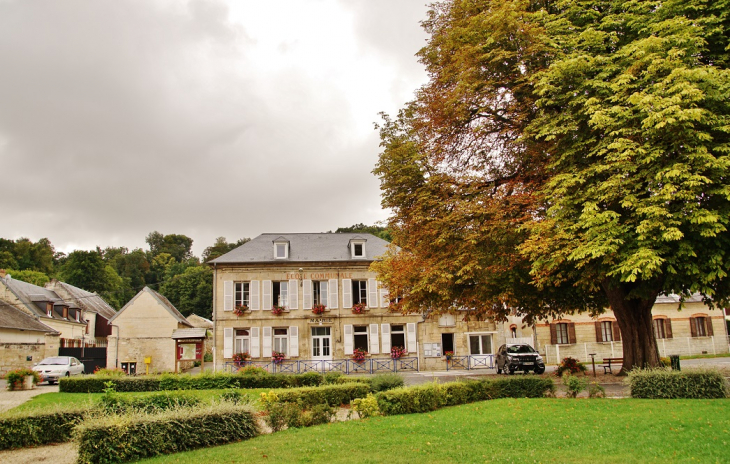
[
  {"x": 683, "y": 346},
  {"x": 480, "y": 361},
  {"x": 344, "y": 366}
]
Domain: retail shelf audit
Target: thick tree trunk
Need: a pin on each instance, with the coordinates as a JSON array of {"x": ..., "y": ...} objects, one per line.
[{"x": 634, "y": 320}]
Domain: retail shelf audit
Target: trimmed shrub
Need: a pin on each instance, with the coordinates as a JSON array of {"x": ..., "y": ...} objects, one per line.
[
  {"x": 121, "y": 438},
  {"x": 96, "y": 384},
  {"x": 252, "y": 370},
  {"x": 38, "y": 427},
  {"x": 383, "y": 382},
  {"x": 421, "y": 398},
  {"x": 331, "y": 378},
  {"x": 15, "y": 378},
  {"x": 162, "y": 401},
  {"x": 332, "y": 395},
  {"x": 574, "y": 384},
  {"x": 232, "y": 396},
  {"x": 109, "y": 372},
  {"x": 364, "y": 380},
  {"x": 425, "y": 398},
  {"x": 668, "y": 384},
  {"x": 308, "y": 379},
  {"x": 366, "y": 407}
]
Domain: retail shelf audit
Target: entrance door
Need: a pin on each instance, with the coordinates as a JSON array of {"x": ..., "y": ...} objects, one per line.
[{"x": 321, "y": 343}]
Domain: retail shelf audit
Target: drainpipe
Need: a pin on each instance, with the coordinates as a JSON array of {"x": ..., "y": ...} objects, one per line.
[
  {"x": 215, "y": 329},
  {"x": 116, "y": 357}
]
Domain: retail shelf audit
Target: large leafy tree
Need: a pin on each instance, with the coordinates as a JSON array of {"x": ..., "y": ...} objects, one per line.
[{"x": 564, "y": 154}]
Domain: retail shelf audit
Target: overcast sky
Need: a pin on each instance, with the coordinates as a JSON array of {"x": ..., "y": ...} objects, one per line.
[{"x": 203, "y": 118}]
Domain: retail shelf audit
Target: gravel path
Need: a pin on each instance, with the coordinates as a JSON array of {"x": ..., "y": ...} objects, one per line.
[{"x": 11, "y": 399}]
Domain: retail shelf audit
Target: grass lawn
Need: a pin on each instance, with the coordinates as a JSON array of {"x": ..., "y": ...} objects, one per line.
[
  {"x": 508, "y": 430},
  {"x": 52, "y": 400}
]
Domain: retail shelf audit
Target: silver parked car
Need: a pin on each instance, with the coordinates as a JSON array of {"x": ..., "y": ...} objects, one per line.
[{"x": 55, "y": 367}]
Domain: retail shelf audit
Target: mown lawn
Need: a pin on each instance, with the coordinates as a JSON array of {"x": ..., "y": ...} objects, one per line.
[
  {"x": 509, "y": 430},
  {"x": 52, "y": 400}
]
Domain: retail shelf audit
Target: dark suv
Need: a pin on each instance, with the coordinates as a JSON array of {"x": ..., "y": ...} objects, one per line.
[{"x": 511, "y": 358}]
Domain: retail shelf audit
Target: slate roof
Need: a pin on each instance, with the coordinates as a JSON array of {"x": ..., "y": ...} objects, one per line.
[
  {"x": 305, "y": 248},
  {"x": 87, "y": 301},
  {"x": 199, "y": 321},
  {"x": 34, "y": 298},
  {"x": 13, "y": 318},
  {"x": 162, "y": 300}
]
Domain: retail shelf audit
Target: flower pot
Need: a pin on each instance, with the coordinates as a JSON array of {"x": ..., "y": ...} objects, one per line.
[{"x": 28, "y": 382}]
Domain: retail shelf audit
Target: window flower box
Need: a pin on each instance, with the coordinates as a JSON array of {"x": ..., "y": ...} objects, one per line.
[
  {"x": 277, "y": 310},
  {"x": 358, "y": 355},
  {"x": 319, "y": 309},
  {"x": 240, "y": 310},
  {"x": 398, "y": 352},
  {"x": 241, "y": 358},
  {"x": 449, "y": 355},
  {"x": 358, "y": 308},
  {"x": 277, "y": 357}
]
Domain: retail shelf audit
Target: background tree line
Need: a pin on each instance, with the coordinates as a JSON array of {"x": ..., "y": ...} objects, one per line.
[{"x": 118, "y": 273}]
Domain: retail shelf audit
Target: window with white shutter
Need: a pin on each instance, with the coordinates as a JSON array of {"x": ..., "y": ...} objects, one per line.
[
  {"x": 293, "y": 294},
  {"x": 349, "y": 341},
  {"x": 266, "y": 304},
  {"x": 227, "y": 342},
  {"x": 266, "y": 342},
  {"x": 293, "y": 341},
  {"x": 372, "y": 293},
  {"x": 255, "y": 343},
  {"x": 346, "y": 293},
  {"x": 333, "y": 296},
  {"x": 385, "y": 338},
  {"x": 228, "y": 296},
  {"x": 411, "y": 337},
  {"x": 374, "y": 341},
  {"x": 384, "y": 296},
  {"x": 307, "y": 294},
  {"x": 255, "y": 296}
]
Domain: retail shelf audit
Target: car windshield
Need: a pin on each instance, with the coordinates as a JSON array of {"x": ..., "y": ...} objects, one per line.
[
  {"x": 54, "y": 361},
  {"x": 520, "y": 349}
]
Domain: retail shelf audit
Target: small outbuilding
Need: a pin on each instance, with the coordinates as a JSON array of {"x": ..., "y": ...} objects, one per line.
[{"x": 142, "y": 333}]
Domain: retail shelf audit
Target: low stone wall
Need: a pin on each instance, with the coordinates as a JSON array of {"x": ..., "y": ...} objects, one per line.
[{"x": 15, "y": 355}]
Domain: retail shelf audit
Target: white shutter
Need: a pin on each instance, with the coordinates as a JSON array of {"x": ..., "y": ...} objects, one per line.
[
  {"x": 386, "y": 338},
  {"x": 411, "y": 337},
  {"x": 346, "y": 293},
  {"x": 255, "y": 351},
  {"x": 374, "y": 342},
  {"x": 227, "y": 343},
  {"x": 372, "y": 293},
  {"x": 266, "y": 303},
  {"x": 255, "y": 298},
  {"x": 384, "y": 296},
  {"x": 332, "y": 302},
  {"x": 228, "y": 295},
  {"x": 307, "y": 294},
  {"x": 293, "y": 341},
  {"x": 266, "y": 336},
  {"x": 349, "y": 340},
  {"x": 293, "y": 294}
]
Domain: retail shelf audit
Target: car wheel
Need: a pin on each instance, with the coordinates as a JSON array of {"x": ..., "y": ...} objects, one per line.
[
  {"x": 51, "y": 382},
  {"x": 499, "y": 369},
  {"x": 68, "y": 374},
  {"x": 511, "y": 370},
  {"x": 539, "y": 370}
]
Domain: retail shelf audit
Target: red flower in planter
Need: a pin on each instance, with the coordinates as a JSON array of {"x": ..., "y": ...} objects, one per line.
[
  {"x": 239, "y": 310},
  {"x": 277, "y": 357},
  {"x": 358, "y": 308},
  {"x": 398, "y": 352},
  {"x": 319, "y": 309},
  {"x": 358, "y": 355},
  {"x": 277, "y": 310}
]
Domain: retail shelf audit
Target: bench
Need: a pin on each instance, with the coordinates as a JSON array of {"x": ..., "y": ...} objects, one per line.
[{"x": 607, "y": 362}]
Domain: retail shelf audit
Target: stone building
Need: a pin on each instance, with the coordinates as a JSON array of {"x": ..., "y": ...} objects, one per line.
[
  {"x": 298, "y": 275},
  {"x": 24, "y": 340},
  {"x": 64, "y": 316},
  {"x": 96, "y": 311},
  {"x": 142, "y": 329},
  {"x": 691, "y": 330}
]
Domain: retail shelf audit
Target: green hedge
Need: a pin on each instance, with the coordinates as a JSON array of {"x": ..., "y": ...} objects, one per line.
[
  {"x": 205, "y": 381},
  {"x": 38, "y": 428},
  {"x": 332, "y": 395},
  {"x": 121, "y": 438},
  {"x": 156, "y": 402},
  {"x": 664, "y": 383},
  {"x": 429, "y": 397}
]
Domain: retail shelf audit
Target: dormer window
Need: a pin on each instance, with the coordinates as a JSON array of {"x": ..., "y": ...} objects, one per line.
[
  {"x": 357, "y": 247},
  {"x": 281, "y": 248},
  {"x": 78, "y": 316},
  {"x": 49, "y": 309}
]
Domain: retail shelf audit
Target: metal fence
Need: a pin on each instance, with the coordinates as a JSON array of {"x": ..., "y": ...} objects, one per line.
[
  {"x": 344, "y": 366},
  {"x": 682, "y": 346},
  {"x": 482, "y": 361}
]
